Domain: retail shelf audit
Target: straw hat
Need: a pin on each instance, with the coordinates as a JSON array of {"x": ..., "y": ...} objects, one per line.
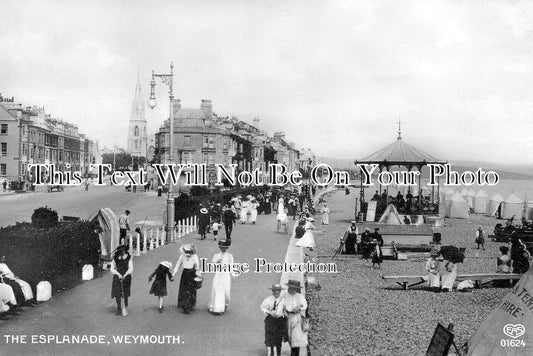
[
  {"x": 203, "y": 211},
  {"x": 434, "y": 252},
  {"x": 224, "y": 243},
  {"x": 166, "y": 264},
  {"x": 276, "y": 287},
  {"x": 121, "y": 248},
  {"x": 353, "y": 222},
  {"x": 294, "y": 283},
  {"x": 188, "y": 248}
]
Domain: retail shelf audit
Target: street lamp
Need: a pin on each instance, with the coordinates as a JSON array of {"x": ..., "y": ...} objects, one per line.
[{"x": 167, "y": 79}]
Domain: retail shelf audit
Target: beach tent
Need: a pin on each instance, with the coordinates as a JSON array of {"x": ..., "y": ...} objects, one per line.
[
  {"x": 390, "y": 216},
  {"x": 512, "y": 206},
  {"x": 492, "y": 205},
  {"x": 529, "y": 210},
  {"x": 480, "y": 202},
  {"x": 109, "y": 231},
  {"x": 470, "y": 197},
  {"x": 456, "y": 207},
  {"x": 449, "y": 193},
  {"x": 512, "y": 319}
]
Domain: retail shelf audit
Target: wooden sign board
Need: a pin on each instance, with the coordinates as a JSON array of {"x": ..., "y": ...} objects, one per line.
[
  {"x": 440, "y": 342},
  {"x": 371, "y": 210}
]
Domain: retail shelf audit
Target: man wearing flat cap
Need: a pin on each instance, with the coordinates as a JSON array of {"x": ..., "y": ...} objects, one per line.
[{"x": 275, "y": 321}]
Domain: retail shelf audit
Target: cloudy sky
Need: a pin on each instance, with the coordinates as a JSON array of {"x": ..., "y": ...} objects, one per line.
[{"x": 334, "y": 75}]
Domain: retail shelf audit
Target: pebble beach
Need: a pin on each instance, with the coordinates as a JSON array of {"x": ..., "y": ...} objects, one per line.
[{"x": 355, "y": 312}]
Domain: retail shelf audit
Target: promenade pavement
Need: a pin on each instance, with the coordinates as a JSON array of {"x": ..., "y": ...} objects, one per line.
[{"x": 87, "y": 309}]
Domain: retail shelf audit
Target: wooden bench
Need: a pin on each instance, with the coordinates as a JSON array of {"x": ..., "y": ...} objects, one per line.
[{"x": 480, "y": 279}]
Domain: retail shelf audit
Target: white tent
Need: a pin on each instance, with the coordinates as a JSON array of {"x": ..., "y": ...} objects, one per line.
[
  {"x": 470, "y": 197},
  {"x": 493, "y": 204},
  {"x": 512, "y": 206},
  {"x": 390, "y": 216},
  {"x": 480, "y": 202},
  {"x": 512, "y": 320},
  {"x": 457, "y": 207},
  {"x": 529, "y": 210},
  {"x": 448, "y": 193}
]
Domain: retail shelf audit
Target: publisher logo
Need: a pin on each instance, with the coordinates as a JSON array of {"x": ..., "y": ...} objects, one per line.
[{"x": 514, "y": 330}]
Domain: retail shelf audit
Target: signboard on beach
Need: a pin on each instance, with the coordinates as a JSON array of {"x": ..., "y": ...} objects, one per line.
[
  {"x": 371, "y": 210},
  {"x": 440, "y": 342}
]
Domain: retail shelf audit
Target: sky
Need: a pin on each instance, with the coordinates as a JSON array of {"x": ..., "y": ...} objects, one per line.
[{"x": 335, "y": 76}]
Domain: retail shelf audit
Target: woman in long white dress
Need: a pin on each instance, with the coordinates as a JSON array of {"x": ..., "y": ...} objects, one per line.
[
  {"x": 253, "y": 210},
  {"x": 448, "y": 276},
  {"x": 221, "y": 289},
  {"x": 308, "y": 239},
  {"x": 325, "y": 214},
  {"x": 295, "y": 306},
  {"x": 281, "y": 205},
  {"x": 244, "y": 211}
]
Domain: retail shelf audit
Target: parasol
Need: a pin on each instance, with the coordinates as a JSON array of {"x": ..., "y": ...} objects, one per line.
[{"x": 452, "y": 254}]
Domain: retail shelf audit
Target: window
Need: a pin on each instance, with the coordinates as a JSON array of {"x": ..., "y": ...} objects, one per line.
[
  {"x": 206, "y": 141},
  {"x": 24, "y": 149},
  {"x": 47, "y": 154},
  {"x": 187, "y": 141},
  {"x": 4, "y": 149},
  {"x": 60, "y": 155},
  {"x": 24, "y": 128},
  {"x": 204, "y": 160},
  {"x": 3, "y": 129},
  {"x": 136, "y": 146},
  {"x": 3, "y": 169},
  {"x": 136, "y": 131}
]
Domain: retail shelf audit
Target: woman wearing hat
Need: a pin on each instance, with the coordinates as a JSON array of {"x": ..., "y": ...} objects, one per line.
[
  {"x": 245, "y": 208},
  {"x": 275, "y": 322},
  {"x": 253, "y": 210},
  {"x": 325, "y": 214},
  {"x": 203, "y": 222},
  {"x": 159, "y": 287},
  {"x": 432, "y": 267},
  {"x": 191, "y": 267},
  {"x": 308, "y": 239},
  {"x": 121, "y": 269},
  {"x": 221, "y": 289},
  {"x": 295, "y": 306}
]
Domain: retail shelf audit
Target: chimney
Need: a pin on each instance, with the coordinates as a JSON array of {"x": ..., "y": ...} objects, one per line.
[
  {"x": 256, "y": 122},
  {"x": 207, "y": 108}
]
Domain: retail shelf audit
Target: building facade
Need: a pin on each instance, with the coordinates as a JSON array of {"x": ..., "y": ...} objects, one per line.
[{"x": 30, "y": 136}]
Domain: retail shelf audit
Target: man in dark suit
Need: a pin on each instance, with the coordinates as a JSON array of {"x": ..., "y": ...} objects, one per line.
[{"x": 228, "y": 218}]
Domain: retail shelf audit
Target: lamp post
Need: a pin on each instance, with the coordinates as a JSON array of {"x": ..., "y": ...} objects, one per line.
[{"x": 167, "y": 79}]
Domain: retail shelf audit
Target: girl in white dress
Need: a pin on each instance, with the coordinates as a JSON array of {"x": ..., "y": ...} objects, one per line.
[
  {"x": 448, "y": 276},
  {"x": 221, "y": 289}
]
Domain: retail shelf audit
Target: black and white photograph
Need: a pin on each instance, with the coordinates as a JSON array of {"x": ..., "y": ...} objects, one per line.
[{"x": 266, "y": 178}]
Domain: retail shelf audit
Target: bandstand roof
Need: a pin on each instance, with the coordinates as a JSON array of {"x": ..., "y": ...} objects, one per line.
[{"x": 400, "y": 153}]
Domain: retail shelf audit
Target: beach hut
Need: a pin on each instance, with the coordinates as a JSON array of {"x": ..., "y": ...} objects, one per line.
[
  {"x": 504, "y": 323},
  {"x": 449, "y": 193},
  {"x": 492, "y": 205},
  {"x": 529, "y": 210},
  {"x": 470, "y": 197},
  {"x": 512, "y": 206},
  {"x": 457, "y": 207},
  {"x": 480, "y": 202}
]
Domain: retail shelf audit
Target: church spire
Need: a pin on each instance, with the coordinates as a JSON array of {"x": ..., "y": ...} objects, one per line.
[
  {"x": 399, "y": 129},
  {"x": 137, "y": 106}
]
